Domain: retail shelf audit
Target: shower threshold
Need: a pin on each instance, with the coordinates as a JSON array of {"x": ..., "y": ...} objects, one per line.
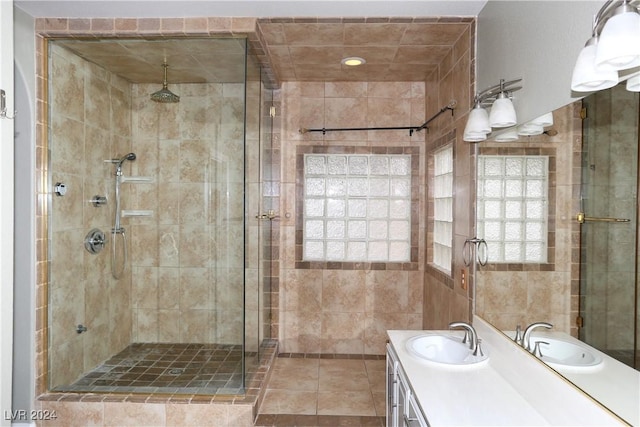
[{"x": 169, "y": 368}]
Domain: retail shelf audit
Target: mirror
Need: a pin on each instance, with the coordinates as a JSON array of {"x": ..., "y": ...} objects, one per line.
[
  {"x": 591, "y": 268},
  {"x": 510, "y": 294}
]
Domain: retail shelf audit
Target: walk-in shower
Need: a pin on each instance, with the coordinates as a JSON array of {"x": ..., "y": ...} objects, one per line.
[{"x": 175, "y": 303}]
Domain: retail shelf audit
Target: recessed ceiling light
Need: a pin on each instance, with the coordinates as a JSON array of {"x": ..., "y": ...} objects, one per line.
[{"x": 353, "y": 61}]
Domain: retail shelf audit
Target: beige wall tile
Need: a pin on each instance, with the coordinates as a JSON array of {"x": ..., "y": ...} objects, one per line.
[
  {"x": 134, "y": 414},
  {"x": 201, "y": 415},
  {"x": 74, "y": 414},
  {"x": 351, "y": 296}
]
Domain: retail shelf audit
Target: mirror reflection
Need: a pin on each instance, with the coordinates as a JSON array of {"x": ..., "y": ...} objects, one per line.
[
  {"x": 586, "y": 284},
  {"x": 609, "y": 196}
]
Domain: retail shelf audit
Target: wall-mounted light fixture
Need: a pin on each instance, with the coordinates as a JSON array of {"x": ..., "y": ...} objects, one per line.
[
  {"x": 498, "y": 97},
  {"x": 612, "y": 50}
]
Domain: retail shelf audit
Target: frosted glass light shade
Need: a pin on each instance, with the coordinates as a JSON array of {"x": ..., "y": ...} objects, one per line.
[
  {"x": 633, "y": 84},
  {"x": 530, "y": 129},
  {"x": 502, "y": 114},
  {"x": 544, "y": 120},
  {"x": 586, "y": 77},
  {"x": 619, "y": 43},
  {"x": 474, "y": 136},
  {"x": 508, "y": 135},
  {"x": 478, "y": 121},
  {"x": 477, "y": 126}
]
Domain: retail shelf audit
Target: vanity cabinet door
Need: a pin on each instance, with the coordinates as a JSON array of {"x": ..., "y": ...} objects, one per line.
[
  {"x": 402, "y": 408},
  {"x": 392, "y": 388},
  {"x": 403, "y": 401},
  {"x": 414, "y": 414}
]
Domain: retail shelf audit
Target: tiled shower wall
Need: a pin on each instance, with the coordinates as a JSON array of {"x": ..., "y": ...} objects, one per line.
[
  {"x": 90, "y": 122},
  {"x": 325, "y": 310},
  {"x": 187, "y": 258},
  {"x": 445, "y": 298}
]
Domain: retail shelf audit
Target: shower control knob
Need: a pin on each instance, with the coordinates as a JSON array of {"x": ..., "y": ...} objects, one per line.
[{"x": 60, "y": 189}]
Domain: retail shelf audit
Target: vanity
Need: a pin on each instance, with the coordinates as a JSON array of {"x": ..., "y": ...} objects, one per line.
[{"x": 502, "y": 385}]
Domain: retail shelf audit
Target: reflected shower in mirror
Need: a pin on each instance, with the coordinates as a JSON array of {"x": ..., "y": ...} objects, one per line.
[{"x": 590, "y": 277}]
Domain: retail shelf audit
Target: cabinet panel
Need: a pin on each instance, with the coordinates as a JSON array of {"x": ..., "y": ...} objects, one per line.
[
  {"x": 402, "y": 408},
  {"x": 392, "y": 388}
]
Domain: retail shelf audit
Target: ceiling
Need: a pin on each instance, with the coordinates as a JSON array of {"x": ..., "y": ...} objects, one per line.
[
  {"x": 406, "y": 47},
  {"x": 247, "y": 8},
  {"x": 394, "y": 49},
  {"x": 198, "y": 60},
  {"x": 296, "y": 51}
]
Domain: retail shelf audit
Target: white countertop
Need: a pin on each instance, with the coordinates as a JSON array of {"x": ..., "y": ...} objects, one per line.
[
  {"x": 512, "y": 389},
  {"x": 612, "y": 383}
]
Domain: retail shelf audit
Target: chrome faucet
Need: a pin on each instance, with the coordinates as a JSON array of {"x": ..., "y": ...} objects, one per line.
[
  {"x": 518, "y": 337},
  {"x": 527, "y": 333},
  {"x": 469, "y": 332}
]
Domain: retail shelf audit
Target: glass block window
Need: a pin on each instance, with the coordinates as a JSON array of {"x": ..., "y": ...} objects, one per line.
[
  {"x": 512, "y": 207},
  {"x": 357, "y": 208},
  {"x": 443, "y": 208}
]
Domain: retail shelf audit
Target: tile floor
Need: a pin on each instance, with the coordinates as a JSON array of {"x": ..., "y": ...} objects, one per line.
[
  {"x": 169, "y": 368},
  {"x": 316, "y": 391}
]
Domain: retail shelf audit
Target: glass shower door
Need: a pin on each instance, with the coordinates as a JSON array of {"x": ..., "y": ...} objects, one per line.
[{"x": 609, "y": 255}]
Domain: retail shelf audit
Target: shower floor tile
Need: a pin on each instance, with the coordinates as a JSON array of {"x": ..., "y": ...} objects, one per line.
[{"x": 170, "y": 368}]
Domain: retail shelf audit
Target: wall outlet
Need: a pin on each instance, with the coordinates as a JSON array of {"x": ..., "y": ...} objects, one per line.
[{"x": 463, "y": 279}]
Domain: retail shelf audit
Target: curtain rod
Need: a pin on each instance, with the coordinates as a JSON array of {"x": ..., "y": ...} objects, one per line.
[{"x": 411, "y": 129}]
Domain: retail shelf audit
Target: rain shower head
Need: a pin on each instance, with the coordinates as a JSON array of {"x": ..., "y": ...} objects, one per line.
[{"x": 164, "y": 95}]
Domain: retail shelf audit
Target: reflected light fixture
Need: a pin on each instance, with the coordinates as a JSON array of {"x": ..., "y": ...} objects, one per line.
[
  {"x": 530, "y": 129},
  {"x": 614, "y": 46},
  {"x": 502, "y": 115},
  {"x": 509, "y": 135},
  {"x": 353, "y": 61},
  {"x": 544, "y": 120},
  {"x": 633, "y": 84}
]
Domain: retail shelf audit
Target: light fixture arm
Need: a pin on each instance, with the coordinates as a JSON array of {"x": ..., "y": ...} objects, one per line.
[
  {"x": 598, "y": 18},
  {"x": 489, "y": 94}
]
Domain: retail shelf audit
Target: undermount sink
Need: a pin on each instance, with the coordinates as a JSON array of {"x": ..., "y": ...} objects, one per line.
[
  {"x": 559, "y": 353},
  {"x": 445, "y": 350}
]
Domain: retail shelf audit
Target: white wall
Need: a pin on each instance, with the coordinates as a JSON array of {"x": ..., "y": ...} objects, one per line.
[
  {"x": 538, "y": 41},
  {"x": 24, "y": 247},
  {"x": 6, "y": 210},
  {"x": 252, "y": 8}
]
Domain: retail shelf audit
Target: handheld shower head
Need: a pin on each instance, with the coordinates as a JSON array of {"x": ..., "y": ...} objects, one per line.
[{"x": 130, "y": 156}]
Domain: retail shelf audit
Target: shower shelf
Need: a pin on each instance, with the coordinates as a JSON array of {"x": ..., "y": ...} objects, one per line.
[
  {"x": 136, "y": 179},
  {"x": 138, "y": 213}
]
